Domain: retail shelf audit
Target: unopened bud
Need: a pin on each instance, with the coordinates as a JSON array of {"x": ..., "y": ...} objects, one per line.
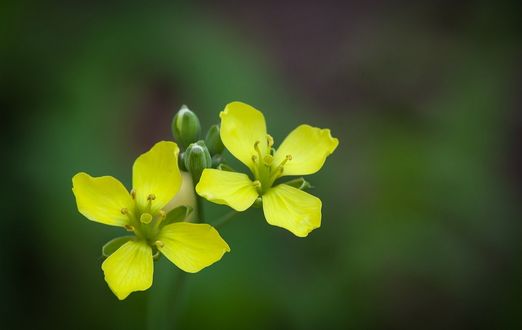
[
  {"x": 213, "y": 140},
  {"x": 186, "y": 127},
  {"x": 197, "y": 158}
]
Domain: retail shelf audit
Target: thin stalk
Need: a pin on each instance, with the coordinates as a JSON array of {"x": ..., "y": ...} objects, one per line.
[
  {"x": 200, "y": 216},
  {"x": 219, "y": 223}
]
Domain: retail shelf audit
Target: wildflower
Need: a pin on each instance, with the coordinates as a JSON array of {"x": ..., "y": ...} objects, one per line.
[
  {"x": 304, "y": 151},
  {"x": 156, "y": 180}
]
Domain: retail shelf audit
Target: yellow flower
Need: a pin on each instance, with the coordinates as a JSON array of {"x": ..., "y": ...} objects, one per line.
[
  {"x": 304, "y": 151},
  {"x": 156, "y": 180}
]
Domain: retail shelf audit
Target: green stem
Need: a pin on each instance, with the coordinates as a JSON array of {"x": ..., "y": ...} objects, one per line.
[
  {"x": 199, "y": 209},
  {"x": 166, "y": 295},
  {"x": 219, "y": 223}
]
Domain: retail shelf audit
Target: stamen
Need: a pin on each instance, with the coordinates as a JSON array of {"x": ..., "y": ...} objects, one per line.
[
  {"x": 257, "y": 184},
  {"x": 269, "y": 141},
  {"x": 159, "y": 244},
  {"x": 129, "y": 228},
  {"x": 287, "y": 158},
  {"x": 258, "y": 150},
  {"x": 146, "y": 218},
  {"x": 124, "y": 211},
  {"x": 254, "y": 158},
  {"x": 162, "y": 214},
  {"x": 133, "y": 194},
  {"x": 151, "y": 197}
]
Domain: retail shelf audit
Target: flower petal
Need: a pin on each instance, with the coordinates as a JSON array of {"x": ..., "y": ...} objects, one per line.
[
  {"x": 156, "y": 173},
  {"x": 293, "y": 209},
  {"x": 227, "y": 188},
  {"x": 241, "y": 126},
  {"x": 129, "y": 269},
  {"x": 101, "y": 199},
  {"x": 191, "y": 246},
  {"x": 309, "y": 146}
]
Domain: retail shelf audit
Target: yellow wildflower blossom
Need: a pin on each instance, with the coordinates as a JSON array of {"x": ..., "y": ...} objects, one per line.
[
  {"x": 304, "y": 151},
  {"x": 156, "y": 180}
]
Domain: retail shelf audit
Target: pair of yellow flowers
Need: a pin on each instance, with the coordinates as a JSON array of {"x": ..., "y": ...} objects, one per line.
[{"x": 156, "y": 179}]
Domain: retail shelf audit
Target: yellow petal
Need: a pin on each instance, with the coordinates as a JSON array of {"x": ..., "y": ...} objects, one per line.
[
  {"x": 156, "y": 174},
  {"x": 227, "y": 188},
  {"x": 101, "y": 199},
  {"x": 241, "y": 126},
  {"x": 191, "y": 246},
  {"x": 129, "y": 269},
  {"x": 309, "y": 146},
  {"x": 293, "y": 209}
]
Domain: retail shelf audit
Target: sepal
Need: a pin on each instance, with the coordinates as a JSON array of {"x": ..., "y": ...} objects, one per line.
[
  {"x": 213, "y": 140},
  {"x": 178, "y": 214},
  {"x": 299, "y": 183},
  {"x": 114, "y": 244}
]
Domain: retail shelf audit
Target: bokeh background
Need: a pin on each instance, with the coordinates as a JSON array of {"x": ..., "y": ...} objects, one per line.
[{"x": 422, "y": 199}]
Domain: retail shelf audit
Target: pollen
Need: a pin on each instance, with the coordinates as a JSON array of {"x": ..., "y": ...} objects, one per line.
[
  {"x": 269, "y": 141},
  {"x": 159, "y": 244}
]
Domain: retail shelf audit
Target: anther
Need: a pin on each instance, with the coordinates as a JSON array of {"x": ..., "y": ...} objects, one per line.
[
  {"x": 151, "y": 197},
  {"x": 159, "y": 244},
  {"x": 124, "y": 211},
  {"x": 162, "y": 214},
  {"x": 287, "y": 158},
  {"x": 256, "y": 146},
  {"x": 133, "y": 194},
  {"x": 129, "y": 228},
  {"x": 257, "y": 184},
  {"x": 254, "y": 158},
  {"x": 269, "y": 141}
]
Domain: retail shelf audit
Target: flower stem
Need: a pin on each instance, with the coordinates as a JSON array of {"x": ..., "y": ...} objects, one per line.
[
  {"x": 219, "y": 223},
  {"x": 199, "y": 209}
]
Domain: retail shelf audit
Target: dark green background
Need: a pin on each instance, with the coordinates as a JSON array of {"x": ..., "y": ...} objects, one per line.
[{"x": 421, "y": 200}]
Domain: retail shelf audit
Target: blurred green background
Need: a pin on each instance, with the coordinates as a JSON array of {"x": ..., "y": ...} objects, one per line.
[{"x": 421, "y": 201}]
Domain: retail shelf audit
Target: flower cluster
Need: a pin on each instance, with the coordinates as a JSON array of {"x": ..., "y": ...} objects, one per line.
[{"x": 158, "y": 229}]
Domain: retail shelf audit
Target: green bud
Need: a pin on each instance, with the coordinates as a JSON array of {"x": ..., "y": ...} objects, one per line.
[
  {"x": 114, "y": 244},
  {"x": 197, "y": 158},
  {"x": 213, "y": 140},
  {"x": 185, "y": 126},
  {"x": 181, "y": 161}
]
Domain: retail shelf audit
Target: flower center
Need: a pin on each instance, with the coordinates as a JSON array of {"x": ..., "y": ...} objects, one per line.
[
  {"x": 143, "y": 222},
  {"x": 264, "y": 169}
]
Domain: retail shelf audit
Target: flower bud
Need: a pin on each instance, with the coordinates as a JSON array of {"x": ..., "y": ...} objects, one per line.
[
  {"x": 213, "y": 140},
  {"x": 197, "y": 158},
  {"x": 185, "y": 126}
]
